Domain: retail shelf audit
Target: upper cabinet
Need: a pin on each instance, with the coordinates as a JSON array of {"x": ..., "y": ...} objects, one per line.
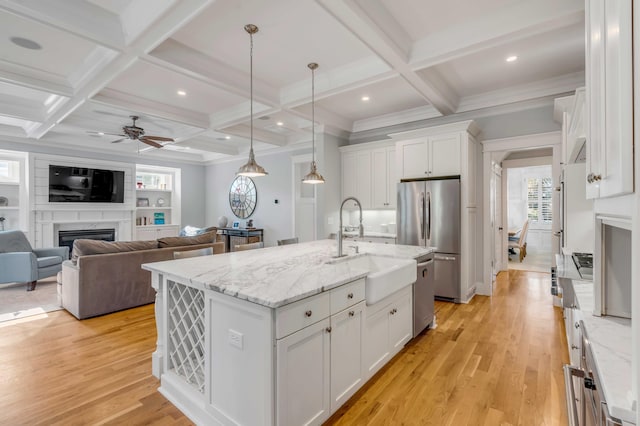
[
  {"x": 429, "y": 156},
  {"x": 570, "y": 112},
  {"x": 609, "y": 95},
  {"x": 368, "y": 174}
]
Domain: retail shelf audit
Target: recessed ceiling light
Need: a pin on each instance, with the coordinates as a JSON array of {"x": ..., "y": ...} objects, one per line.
[
  {"x": 26, "y": 43},
  {"x": 512, "y": 58},
  {"x": 100, "y": 133},
  {"x": 365, "y": 98},
  {"x": 182, "y": 93},
  {"x": 280, "y": 123},
  {"x": 227, "y": 137}
]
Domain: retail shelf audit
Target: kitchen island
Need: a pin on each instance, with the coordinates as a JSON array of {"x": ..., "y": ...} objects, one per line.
[{"x": 281, "y": 335}]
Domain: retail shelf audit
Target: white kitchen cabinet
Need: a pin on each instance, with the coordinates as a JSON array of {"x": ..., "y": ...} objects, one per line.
[
  {"x": 383, "y": 177},
  {"x": 609, "y": 94},
  {"x": 319, "y": 366},
  {"x": 346, "y": 354},
  {"x": 303, "y": 376},
  {"x": 430, "y": 156},
  {"x": 388, "y": 327},
  {"x": 369, "y": 174}
]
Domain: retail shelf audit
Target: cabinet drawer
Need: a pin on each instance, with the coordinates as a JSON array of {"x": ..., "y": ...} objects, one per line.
[
  {"x": 347, "y": 295},
  {"x": 295, "y": 316}
]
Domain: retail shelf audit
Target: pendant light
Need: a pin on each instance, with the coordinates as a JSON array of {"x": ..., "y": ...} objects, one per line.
[
  {"x": 251, "y": 168},
  {"x": 313, "y": 176}
]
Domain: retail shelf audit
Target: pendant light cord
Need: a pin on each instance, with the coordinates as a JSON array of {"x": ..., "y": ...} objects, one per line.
[
  {"x": 251, "y": 85},
  {"x": 313, "y": 115}
]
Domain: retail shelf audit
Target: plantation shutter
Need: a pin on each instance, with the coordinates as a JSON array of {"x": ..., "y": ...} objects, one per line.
[{"x": 533, "y": 196}]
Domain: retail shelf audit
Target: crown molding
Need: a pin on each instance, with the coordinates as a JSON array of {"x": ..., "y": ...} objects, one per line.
[{"x": 392, "y": 119}]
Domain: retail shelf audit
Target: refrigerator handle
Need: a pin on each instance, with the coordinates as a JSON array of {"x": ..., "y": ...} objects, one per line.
[
  {"x": 422, "y": 216},
  {"x": 429, "y": 210}
]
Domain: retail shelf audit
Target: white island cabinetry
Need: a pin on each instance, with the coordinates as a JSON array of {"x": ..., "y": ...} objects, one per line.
[{"x": 288, "y": 333}]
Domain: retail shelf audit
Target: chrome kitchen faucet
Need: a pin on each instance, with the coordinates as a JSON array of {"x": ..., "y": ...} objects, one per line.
[{"x": 360, "y": 228}]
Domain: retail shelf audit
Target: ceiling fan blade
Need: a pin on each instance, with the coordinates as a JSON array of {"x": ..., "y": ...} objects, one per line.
[
  {"x": 150, "y": 142},
  {"x": 158, "y": 138},
  {"x": 119, "y": 140}
]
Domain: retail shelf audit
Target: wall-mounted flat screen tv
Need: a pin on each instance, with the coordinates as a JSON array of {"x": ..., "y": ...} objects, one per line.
[{"x": 84, "y": 185}]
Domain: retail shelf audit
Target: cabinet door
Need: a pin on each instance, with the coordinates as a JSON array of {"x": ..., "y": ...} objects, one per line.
[
  {"x": 376, "y": 340},
  {"x": 392, "y": 178},
  {"x": 444, "y": 155},
  {"x": 363, "y": 178},
  {"x": 144, "y": 234},
  {"x": 379, "y": 178},
  {"x": 412, "y": 158},
  {"x": 616, "y": 165},
  {"x": 400, "y": 321},
  {"x": 168, "y": 231},
  {"x": 302, "y": 382},
  {"x": 346, "y": 354}
]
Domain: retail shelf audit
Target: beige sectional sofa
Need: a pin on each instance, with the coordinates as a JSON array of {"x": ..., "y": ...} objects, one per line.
[{"x": 104, "y": 277}]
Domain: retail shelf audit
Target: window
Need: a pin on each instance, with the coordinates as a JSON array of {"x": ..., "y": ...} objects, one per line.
[
  {"x": 9, "y": 171},
  {"x": 539, "y": 191}
]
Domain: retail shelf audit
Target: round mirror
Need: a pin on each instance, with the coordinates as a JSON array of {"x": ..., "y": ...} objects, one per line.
[{"x": 243, "y": 197}]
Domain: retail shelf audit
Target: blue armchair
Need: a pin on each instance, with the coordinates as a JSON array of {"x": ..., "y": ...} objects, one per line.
[{"x": 19, "y": 262}]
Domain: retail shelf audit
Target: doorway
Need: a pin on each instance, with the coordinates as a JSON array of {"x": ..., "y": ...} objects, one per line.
[{"x": 530, "y": 217}]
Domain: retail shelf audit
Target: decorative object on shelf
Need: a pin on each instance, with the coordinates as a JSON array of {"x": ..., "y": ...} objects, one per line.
[
  {"x": 236, "y": 225},
  {"x": 249, "y": 223},
  {"x": 222, "y": 221},
  {"x": 140, "y": 185},
  {"x": 160, "y": 202},
  {"x": 2, "y": 219},
  {"x": 158, "y": 218},
  {"x": 4, "y": 201},
  {"x": 313, "y": 176},
  {"x": 142, "y": 202},
  {"x": 251, "y": 168},
  {"x": 243, "y": 197}
]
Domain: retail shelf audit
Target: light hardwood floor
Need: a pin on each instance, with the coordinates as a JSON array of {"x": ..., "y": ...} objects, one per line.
[{"x": 494, "y": 361}]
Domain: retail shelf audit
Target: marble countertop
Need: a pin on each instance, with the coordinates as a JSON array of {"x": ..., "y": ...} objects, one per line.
[
  {"x": 369, "y": 234},
  {"x": 276, "y": 276},
  {"x": 566, "y": 268},
  {"x": 610, "y": 339}
]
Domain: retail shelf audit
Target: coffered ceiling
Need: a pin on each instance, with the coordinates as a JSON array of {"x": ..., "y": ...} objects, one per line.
[{"x": 72, "y": 67}]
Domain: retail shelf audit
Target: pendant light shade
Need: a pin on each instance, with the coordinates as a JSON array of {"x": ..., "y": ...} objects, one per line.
[
  {"x": 313, "y": 176},
  {"x": 251, "y": 168}
]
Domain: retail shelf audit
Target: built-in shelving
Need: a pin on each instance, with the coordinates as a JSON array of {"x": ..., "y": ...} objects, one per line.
[
  {"x": 154, "y": 184},
  {"x": 14, "y": 191}
]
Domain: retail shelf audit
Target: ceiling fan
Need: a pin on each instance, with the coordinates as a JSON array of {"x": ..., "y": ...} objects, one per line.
[{"x": 136, "y": 133}]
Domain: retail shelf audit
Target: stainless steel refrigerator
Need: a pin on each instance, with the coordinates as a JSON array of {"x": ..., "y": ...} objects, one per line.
[{"x": 428, "y": 215}]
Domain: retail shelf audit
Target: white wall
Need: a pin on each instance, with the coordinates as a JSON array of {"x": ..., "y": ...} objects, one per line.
[
  {"x": 193, "y": 187},
  {"x": 274, "y": 218}
]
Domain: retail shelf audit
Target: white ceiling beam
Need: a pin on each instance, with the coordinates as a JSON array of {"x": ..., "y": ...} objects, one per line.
[
  {"x": 170, "y": 22},
  {"x": 357, "y": 20},
  {"x": 177, "y": 57},
  {"x": 31, "y": 78},
  {"x": 244, "y": 131},
  {"x": 324, "y": 116},
  {"x": 501, "y": 26},
  {"x": 240, "y": 114},
  {"x": 16, "y": 107},
  {"x": 208, "y": 145},
  {"x": 78, "y": 17},
  {"x": 337, "y": 80},
  {"x": 127, "y": 102}
]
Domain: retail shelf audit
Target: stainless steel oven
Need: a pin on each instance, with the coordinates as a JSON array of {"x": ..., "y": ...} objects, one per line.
[{"x": 586, "y": 405}]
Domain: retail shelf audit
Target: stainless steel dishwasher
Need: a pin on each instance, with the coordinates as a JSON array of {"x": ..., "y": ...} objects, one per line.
[{"x": 423, "y": 295}]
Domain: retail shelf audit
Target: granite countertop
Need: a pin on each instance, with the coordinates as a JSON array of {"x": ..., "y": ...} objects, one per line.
[
  {"x": 610, "y": 339},
  {"x": 276, "y": 276}
]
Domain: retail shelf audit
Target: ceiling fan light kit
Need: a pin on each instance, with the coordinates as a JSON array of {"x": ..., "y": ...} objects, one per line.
[
  {"x": 313, "y": 177},
  {"x": 251, "y": 168}
]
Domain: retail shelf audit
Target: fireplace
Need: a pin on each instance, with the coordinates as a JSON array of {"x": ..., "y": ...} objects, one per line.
[{"x": 66, "y": 238}]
